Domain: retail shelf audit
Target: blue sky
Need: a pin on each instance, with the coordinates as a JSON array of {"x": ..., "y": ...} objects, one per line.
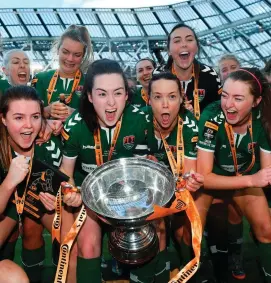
[{"x": 84, "y": 3}]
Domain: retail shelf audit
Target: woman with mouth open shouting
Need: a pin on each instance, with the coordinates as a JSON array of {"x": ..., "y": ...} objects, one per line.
[
  {"x": 200, "y": 83},
  {"x": 144, "y": 70},
  {"x": 234, "y": 153},
  {"x": 21, "y": 113},
  {"x": 60, "y": 89},
  {"x": 173, "y": 127},
  {"x": 104, "y": 116},
  {"x": 16, "y": 67}
]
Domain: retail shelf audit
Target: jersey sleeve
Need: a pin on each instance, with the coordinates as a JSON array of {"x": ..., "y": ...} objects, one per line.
[
  {"x": 54, "y": 151},
  {"x": 38, "y": 83},
  {"x": 71, "y": 136},
  {"x": 264, "y": 142},
  {"x": 190, "y": 137}
]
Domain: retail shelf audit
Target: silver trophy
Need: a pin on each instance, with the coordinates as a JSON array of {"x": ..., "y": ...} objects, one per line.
[{"x": 122, "y": 193}]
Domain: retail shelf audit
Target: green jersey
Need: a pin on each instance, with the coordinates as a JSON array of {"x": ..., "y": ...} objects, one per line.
[
  {"x": 190, "y": 137},
  {"x": 4, "y": 84},
  {"x": 63, "y": 85},
  {"x": 137, "y": 99},
  {"x": 79, "y": 141},
  {"x": 213, "y": 138},
  {"x": 50, "y": 153}
]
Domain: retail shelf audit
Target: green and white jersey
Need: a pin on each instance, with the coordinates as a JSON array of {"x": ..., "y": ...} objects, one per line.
[
  {"x": 4, "y": 84},
  {"x": 137, "y": 99},
  {"x": 63, "y": 85},
  {"x": 190, "y": 138},
  {"x": 79, "y": 141},
  {"x": 213, "y": 138}
]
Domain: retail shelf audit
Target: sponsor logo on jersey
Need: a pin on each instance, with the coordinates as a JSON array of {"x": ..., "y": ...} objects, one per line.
[
  {"x": 250, "y": 146},
  {"x": 88, "y": 167},
  {"x": 88, "y": 147},
  {"x": 129, "y": 142}
]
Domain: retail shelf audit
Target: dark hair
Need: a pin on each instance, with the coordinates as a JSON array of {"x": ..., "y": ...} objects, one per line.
[
  {"x": 258, "y": 86},
  {"x": 169, "y": 77},
  {"x": 13, "y": 94},
  {"x": 99, "y": 67},
  {"x": 80, "y": 34},
  {"x": 147, "y": 59},
  {"x": 267, "y": 68},
  {"x": 181, "y": 25}
]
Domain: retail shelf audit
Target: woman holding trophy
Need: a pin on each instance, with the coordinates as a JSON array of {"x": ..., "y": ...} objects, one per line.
[{"x": 104, "y": 128}]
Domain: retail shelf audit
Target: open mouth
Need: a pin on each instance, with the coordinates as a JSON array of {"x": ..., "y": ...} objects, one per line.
[
  {"x": 231, "y": 114},
  {"x": 22, "y": 76},
  {"x": 26, "y": 135},
  {"x": 110, "y": 114},
  {"x": 147, "y": 79},
  {"x": 165, "y": 118},
  {"x": 184, "y": 55}
]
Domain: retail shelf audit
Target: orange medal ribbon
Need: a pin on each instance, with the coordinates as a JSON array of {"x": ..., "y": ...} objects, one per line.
[
  {"x": 230, "y": 135},
  {"x": 183, "y": 201},
  {"x": 20, "y": 201},
  {"x": 52, "y": 86},
  {"x": 98, "y": 144},
  {"x": 196, "y": 91},
  {"x": 145, "y": 96}
]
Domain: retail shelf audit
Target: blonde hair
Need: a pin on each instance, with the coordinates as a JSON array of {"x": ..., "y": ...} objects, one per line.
[{"x": 80, "y": 34}]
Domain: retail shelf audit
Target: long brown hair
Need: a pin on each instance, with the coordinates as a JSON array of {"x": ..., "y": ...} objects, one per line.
[{"x": 13, "y": 94}]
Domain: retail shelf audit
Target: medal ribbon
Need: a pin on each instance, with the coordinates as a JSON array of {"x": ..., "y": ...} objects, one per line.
[
  {"x": 65, "y": 249},
  {"x": 98, "y": 144},
  {"x": 20, "y": 201},
  {"x": 144, "y": 96},
  {"x": 196, "y": 90},
  {"x": 230, "y": 135},
  {"x": 183, "y": 201},
  {"x": 52, "y": 86}
]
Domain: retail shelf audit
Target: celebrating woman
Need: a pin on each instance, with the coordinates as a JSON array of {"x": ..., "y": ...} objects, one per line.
[
  {"x": 144, "y": 70},
  {"x": 21, "y": 120},
  {"x": 234, "y": 153},
  {"x": 60, "y": 89},
  {"x": 200, "y": 83},
  {"x": 105, "y": 128}
]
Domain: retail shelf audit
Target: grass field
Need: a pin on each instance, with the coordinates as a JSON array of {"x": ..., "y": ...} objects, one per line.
[{"x": 250, "y": 256}]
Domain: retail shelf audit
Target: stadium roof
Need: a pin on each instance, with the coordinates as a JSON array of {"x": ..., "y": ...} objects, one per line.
[{"x": 242, "y": 27}]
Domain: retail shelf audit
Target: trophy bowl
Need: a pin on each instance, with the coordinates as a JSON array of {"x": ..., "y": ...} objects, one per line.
[{"x": 122, "y": 193}]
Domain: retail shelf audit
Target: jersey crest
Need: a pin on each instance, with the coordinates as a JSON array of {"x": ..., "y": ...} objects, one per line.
[
  {"x": 201, "y": 93},
  {"x": 79, "y": 90},
  {"x": 129, "y": 142},
  {"x": 250, "y": 146}
]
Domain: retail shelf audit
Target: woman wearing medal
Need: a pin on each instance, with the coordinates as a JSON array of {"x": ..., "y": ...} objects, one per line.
[
  {"x": 144, "y": 70},
  {"x": 21, "y": 121},
  {"x": 200, "y": 83},
  {"x": 16, "y": 67},
  {"x": 105, "y": 128},
  {"x": 173, "y": 133},
  {"x": 60, "y": 89},
  {"x": 234, "y": 153}
]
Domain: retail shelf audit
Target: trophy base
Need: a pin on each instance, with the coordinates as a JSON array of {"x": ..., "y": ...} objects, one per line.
[{"x": 135, "y": 245}]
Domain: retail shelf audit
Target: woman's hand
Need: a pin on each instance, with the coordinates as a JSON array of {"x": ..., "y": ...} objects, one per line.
[
  {"x": 48, "y": 200},
  {"x": 18, "y": 169},
  {"x": 59, "y": 111},
  {"x": 262, "y": 178},
  {"x": 72, "y": 196},
  {"x": 152, "y": 157},
  {"x": 188, "y": 105},
  {"x": 194, "y": 182}
]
